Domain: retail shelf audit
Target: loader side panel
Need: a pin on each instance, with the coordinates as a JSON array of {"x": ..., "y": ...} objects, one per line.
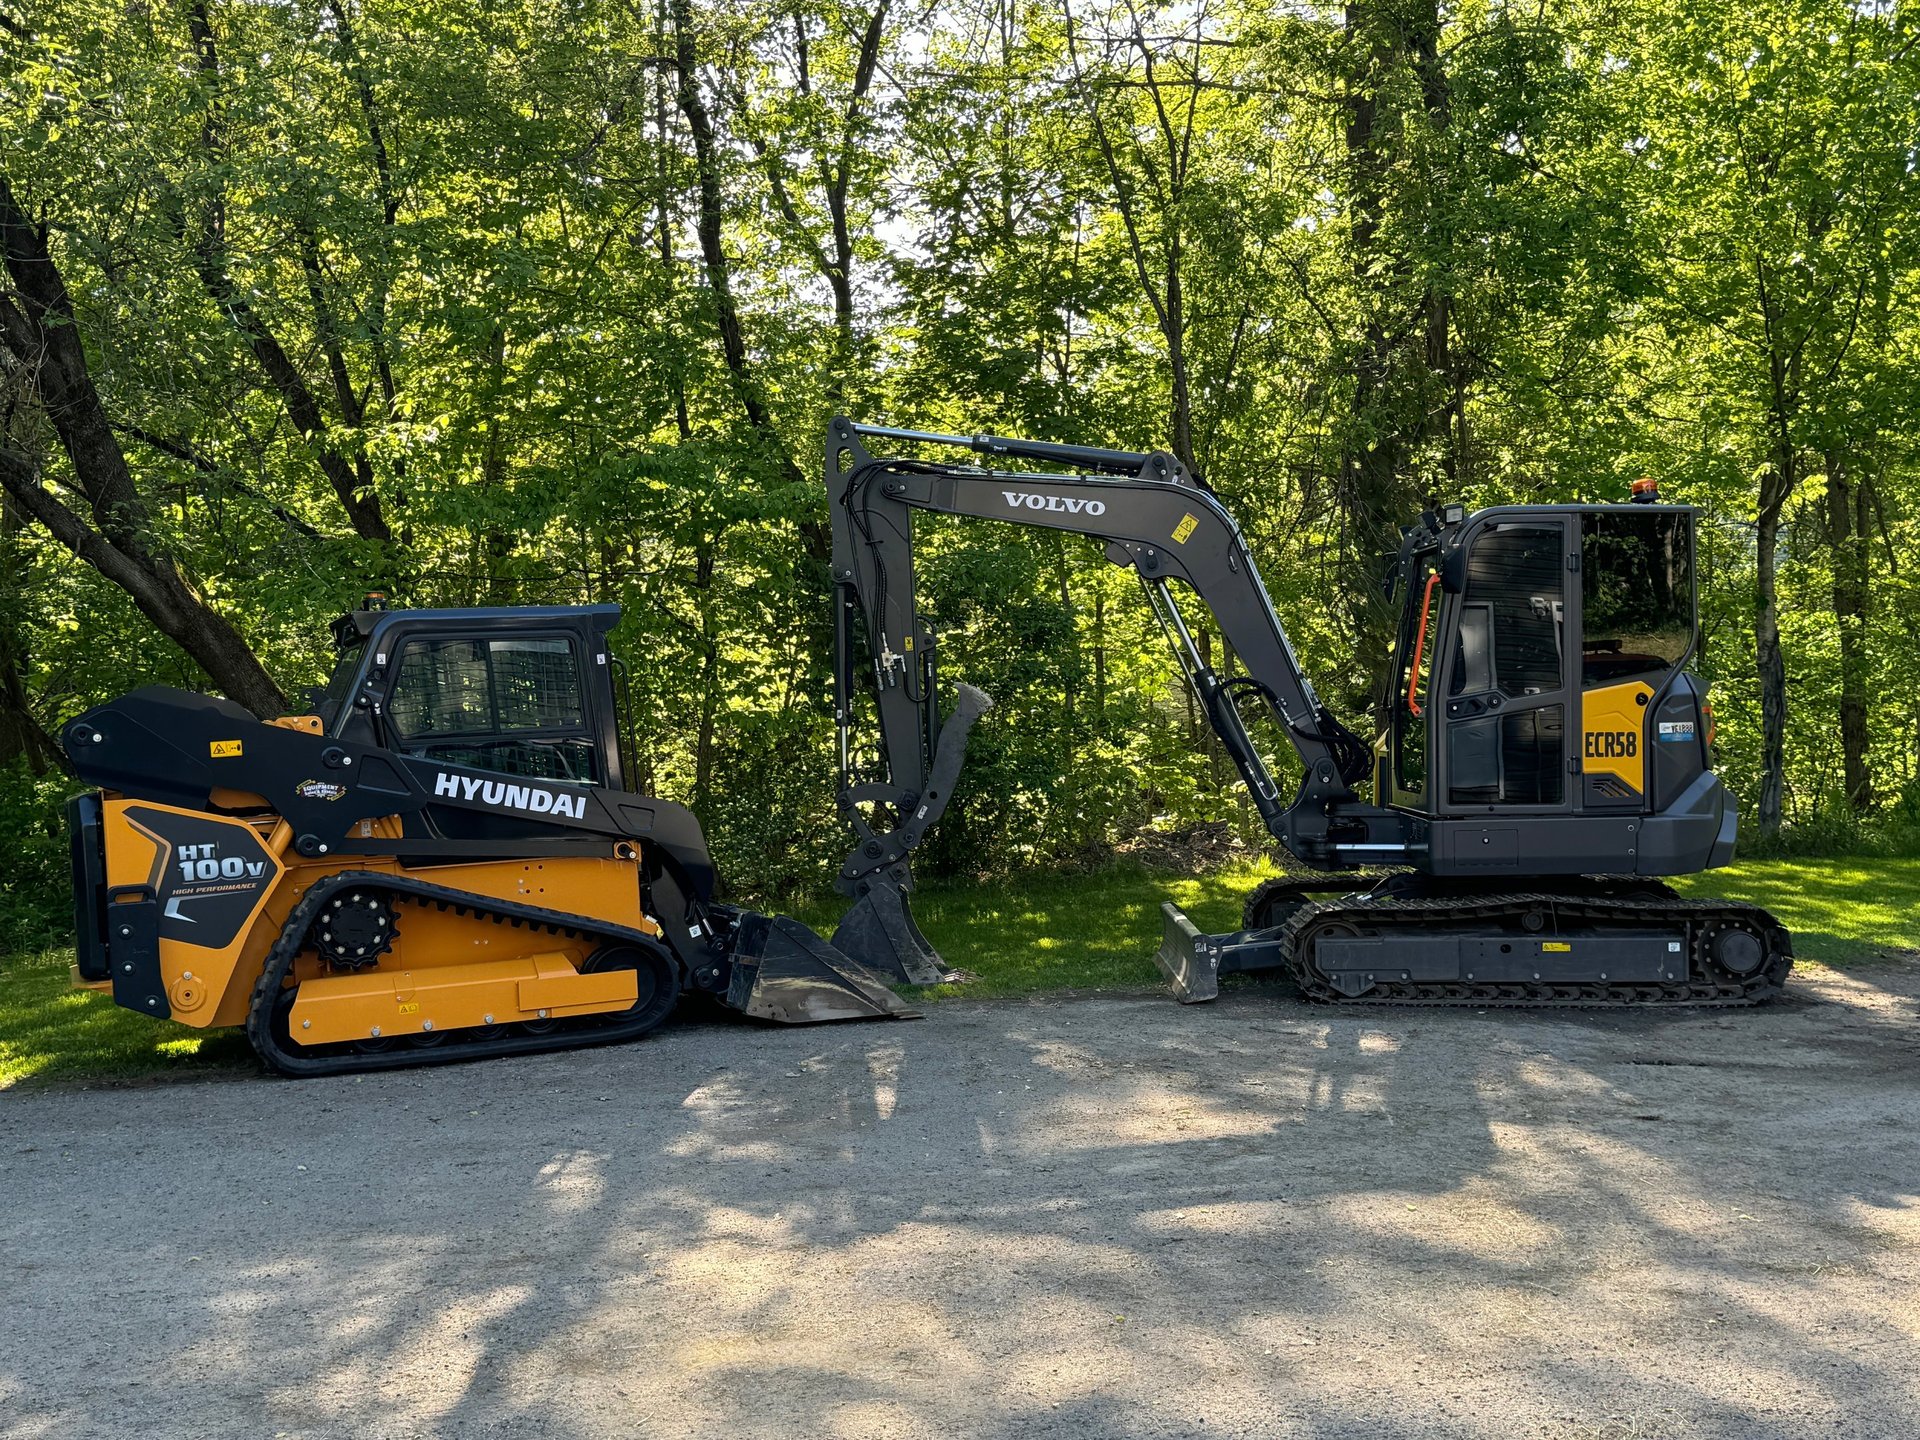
[{"x": 191, "y": 888}]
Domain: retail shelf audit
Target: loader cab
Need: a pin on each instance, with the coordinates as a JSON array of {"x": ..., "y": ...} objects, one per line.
[
  {"x": 526, "y": 691},
  {"x": 1539, "y": 666}
]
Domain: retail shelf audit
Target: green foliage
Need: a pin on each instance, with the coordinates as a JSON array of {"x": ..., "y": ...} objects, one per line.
[
  {"x": 1577, "y": 245},
  {"x": 38, "y": 908}
]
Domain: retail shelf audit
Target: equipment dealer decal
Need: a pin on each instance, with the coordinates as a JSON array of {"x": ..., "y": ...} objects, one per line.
[{"x": 319, "y": 790}]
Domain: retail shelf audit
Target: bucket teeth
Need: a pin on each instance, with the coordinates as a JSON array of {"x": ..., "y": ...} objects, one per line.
[{"x": 784, "y": 972}]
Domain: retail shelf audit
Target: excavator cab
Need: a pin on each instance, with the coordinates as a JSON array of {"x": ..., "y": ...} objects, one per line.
[{"x": 1540, "y": 673}]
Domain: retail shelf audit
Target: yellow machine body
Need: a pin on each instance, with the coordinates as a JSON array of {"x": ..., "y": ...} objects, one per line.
[
  {"x": 1613, "y": 725},
  {"x": 443, "y": 970}
]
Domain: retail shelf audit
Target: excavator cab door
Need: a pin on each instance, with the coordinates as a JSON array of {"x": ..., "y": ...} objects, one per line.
[{"x": 1506, "y": 685}]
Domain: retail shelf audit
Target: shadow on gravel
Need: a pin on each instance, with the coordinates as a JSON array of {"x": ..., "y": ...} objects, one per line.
[{"x": 1112, "y": 1218}]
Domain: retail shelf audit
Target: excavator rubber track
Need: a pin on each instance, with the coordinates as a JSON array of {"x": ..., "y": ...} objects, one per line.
[
  {"x": 1590, "y": 910},
  {"x": 279, "y": 1052}
]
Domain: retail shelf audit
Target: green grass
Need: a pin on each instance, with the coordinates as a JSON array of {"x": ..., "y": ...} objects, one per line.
[
  {"x": 50, "y": 1030},
  {"x": 1839, "y": 910},
  {"x": 1034, "y": 934},
  {"x": 1064, "y": 932}
]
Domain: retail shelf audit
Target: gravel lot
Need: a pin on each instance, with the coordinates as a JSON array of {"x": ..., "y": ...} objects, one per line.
[{"x": 1097, "y": 1217}]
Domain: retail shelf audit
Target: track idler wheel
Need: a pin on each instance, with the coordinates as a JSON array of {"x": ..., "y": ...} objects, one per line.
[{"x": 656, "y": 984}]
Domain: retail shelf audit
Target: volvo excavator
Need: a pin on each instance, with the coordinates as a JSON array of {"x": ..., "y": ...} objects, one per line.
[
  {"x": 439, "y": 861},
  {"x": 1542, "y": 756}
]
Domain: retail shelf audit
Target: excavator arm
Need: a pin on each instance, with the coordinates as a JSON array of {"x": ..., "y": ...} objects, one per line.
[{"x": 1155, "y": 518}]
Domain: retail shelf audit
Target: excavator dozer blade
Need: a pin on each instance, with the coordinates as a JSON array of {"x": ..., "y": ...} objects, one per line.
[
  {"x": 1186, "y": 957},
  {"x": 784, "y": 972},
  {"x": 879, "y": 933}
]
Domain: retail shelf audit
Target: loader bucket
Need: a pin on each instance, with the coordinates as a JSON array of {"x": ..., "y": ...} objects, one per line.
[
  {"x": 784, "y": 972},
  {"x": 878, "y": 932},
  {"x": 1188, "y": 958}
]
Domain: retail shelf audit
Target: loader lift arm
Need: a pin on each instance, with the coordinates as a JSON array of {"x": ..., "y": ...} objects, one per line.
[{"x": 1156, "y": 518}]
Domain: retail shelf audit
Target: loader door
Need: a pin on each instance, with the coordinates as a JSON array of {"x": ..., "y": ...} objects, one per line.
[{"x": 1508, "y": 685}]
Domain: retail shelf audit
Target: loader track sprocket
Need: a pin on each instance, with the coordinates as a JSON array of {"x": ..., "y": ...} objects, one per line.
[
  {"x": 267, "y": 1014},
  {"x": 1758, "y": 943},
  {"x": 354, "y": 928}
]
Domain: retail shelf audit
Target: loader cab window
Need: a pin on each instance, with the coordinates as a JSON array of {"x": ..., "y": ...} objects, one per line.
[
  {"x": 339, "y": 689},
  {"x": 513, "y": 705},
  {"x": 1636, "y": 570}
]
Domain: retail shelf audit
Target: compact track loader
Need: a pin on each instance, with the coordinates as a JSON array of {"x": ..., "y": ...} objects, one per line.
[
  {"x": 1542, "y": 757},
  {"x": 439, "y": 862}
]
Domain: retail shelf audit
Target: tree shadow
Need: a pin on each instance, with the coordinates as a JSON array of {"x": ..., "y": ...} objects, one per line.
[{"x": 1114, "y": 1218}]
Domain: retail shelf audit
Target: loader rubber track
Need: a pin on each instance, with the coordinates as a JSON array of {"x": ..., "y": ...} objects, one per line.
[
  {"x": 1591, "y": 907},
  {"x": 287, "y": 1058}
]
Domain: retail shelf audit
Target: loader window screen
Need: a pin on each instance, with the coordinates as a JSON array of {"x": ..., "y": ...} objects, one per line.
[
  {"x": 1636, "y": 572},
  {"x": 512, "y": 705}
]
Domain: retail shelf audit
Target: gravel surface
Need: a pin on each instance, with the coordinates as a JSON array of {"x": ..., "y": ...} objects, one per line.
[{"x": 1096, "y": 1217}]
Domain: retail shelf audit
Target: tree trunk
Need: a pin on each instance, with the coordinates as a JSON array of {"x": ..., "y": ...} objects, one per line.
[
  {"x": 21, "y": 736},
  {"x": 1847, "y": 516},
  {"x": 42, "y": 333},
  {"x": 1370, "y": 491},
  {"x": 709, "y": 226},
  {"x": 1775, "y": 488}
]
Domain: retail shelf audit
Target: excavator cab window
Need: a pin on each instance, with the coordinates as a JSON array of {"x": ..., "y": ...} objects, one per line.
[
  {"x": 511, "y": 704},
  {"x": 1637, "y": 604},
  {"x": 1418, "y": 658}
]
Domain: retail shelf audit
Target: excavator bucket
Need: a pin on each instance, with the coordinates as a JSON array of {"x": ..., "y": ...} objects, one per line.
[
  {"x": 878, "y": 930},
  {"x": 784, "y": 972}
]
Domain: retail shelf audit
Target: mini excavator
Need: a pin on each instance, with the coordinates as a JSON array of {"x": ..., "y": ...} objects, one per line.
[
  {"x": 1543, "y": 753},
  {"x": 439, "y": 862}
]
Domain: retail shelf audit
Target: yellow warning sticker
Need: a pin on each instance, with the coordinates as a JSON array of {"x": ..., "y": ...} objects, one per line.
[
  {"x": 412, "y": 1008},
  {"x": 223, "y": 749},
  {"x": 1188, "y": 524},
  {"x": 1555, "y": 945},
  {"x": 908, "y": 642}
]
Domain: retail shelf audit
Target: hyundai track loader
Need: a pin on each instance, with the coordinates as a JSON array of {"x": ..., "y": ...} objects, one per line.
[
  {"x": 439, "y": 862},
  {"x": 1542, "y": 760}
]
